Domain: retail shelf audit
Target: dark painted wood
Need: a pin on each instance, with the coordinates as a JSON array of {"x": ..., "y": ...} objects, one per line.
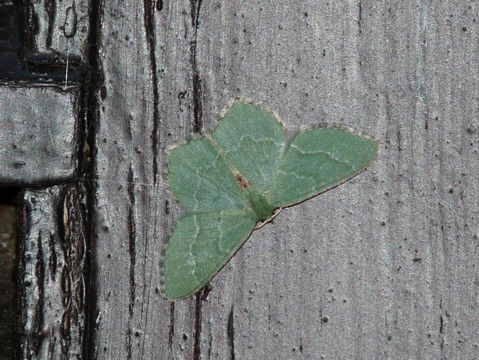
[
  {"x": 42, "y": 102},
  {"x": 40, "y": 137},
  {"x": 51, "y": 256}
]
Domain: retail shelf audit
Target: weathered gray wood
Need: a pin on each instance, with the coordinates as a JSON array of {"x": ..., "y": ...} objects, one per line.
[
  {"x": 57, "y": 30},
  {"x": 40, "y": 134},
  {"x": 384, "y": 266},
  {"x": 129, "y": 315},
  {"x": 51, "y": 273}
]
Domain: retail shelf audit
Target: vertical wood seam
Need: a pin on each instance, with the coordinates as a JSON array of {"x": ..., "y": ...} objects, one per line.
[{"x": 149, "y": 21}]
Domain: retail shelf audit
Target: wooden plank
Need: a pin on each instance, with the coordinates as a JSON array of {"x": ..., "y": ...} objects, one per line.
[
  {"x": 51, "y": 257},
  {"x": 382, "y": 267},
  {"x": 40, "y": 137},
  {"x": 128, "y": 205},
  {"x": 136, "y": 99}
]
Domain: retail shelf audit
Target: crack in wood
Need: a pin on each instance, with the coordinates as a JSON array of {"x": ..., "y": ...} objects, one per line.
[
  {"x": 50, "y": 9},
  {"x": 198, "y": 320},
  {"x": 197, "y": 90},
  {"x": 91, "y": 107},
  {"x": 132, "y": 252},
  {"x": 360, "y": 16},
  {"x": 171, "y": 332},
  {"x": 149, "y": 20},
  {"x": 195, "y": 12},
  {"x": 52, "y": 262},
  {"x": 231, "y": 333},
  {"x": 38, "y": 321}
]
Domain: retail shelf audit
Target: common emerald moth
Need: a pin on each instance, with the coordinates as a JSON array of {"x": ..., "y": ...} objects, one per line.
[{"x": 238, "y": 176}]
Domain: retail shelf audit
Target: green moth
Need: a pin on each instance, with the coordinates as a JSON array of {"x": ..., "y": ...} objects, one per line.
[{"x": 239, "y": 176}]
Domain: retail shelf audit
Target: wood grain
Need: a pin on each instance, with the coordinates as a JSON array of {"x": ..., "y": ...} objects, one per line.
[
  {"x": 384, "y": 266},
  {"x": 51, "y": 257}
]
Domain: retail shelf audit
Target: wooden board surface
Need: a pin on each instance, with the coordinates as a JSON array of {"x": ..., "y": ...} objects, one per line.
[{"x": 384, "y": 266}]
